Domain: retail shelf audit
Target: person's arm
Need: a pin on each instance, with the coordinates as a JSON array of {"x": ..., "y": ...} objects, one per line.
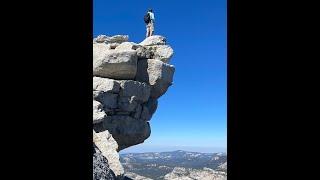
[{"x": 153, "y": 19}]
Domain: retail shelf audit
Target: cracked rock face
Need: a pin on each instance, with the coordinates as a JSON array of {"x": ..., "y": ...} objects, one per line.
[
  {"x": 128, "y": 78},
  {"x": 108, "y": 148},
  {"x": 101, "y": 169}
]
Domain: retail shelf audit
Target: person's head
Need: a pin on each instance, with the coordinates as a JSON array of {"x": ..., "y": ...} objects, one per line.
[{"x": 149, "y": 10}]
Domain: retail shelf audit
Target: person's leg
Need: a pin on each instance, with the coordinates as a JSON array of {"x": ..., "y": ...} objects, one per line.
[
  {"x": 147, "y": 34},
  {"x": 151, "y": 29}
]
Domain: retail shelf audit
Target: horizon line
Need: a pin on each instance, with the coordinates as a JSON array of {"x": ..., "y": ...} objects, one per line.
[{"x": 162, "y": 148}]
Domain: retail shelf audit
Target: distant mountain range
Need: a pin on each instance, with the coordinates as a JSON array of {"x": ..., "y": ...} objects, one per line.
[{"x": 175, "y": 165}]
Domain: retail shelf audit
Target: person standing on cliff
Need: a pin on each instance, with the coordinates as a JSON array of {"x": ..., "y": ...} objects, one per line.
[{"x": 149, "y": 20}]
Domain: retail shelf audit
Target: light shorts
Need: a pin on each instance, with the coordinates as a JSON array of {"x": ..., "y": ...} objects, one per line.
[{"x": 151, "y": 26}]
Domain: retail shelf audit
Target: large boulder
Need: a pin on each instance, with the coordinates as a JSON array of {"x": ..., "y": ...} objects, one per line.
[
  {"x": 108, "y": 100},
  {"x": 100, "y": 39},
  {"x": 126, "y": 119},
  {"x": 153, "y": 40},
  {"x": 159, "y": 52},
  {"x": 163, "y": 53},
  {"x": 115, "y": 64},
  {"x": 113, "y": 39},
  {"x": 117, "y": 39},
  {"x": 157, "y": 74},
  {"x": 140, "y": 90},
  {"x": 128, "y": 79},
  {"x": 126, "y": 130},
  {"x": 105, "y": 85},
  {"x": 108, "y": 147}
]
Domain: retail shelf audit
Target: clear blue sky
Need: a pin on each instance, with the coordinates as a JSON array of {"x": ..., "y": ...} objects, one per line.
[{"x": 193, "y": 112}]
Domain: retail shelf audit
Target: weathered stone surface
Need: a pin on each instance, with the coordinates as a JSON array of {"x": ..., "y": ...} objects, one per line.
[
  {"x": 148, "y": 109},
  {"x": 98, "y": 113},
  {"x": 105, "y": 85},
  {"x": 122, "y": 113},
  {"x": 157, "y": 74},
  {"x": 126, "y": 130},
  {"x": 112, "y": 39},
  {"x": 154, "y": 40},
  {"x": 114, "y": 64},
  {"x": 100, "y": 39},
  {"x": 145, "y": 52},
  {"x": 100, "y": 48},
  {"x": 128, "y": 104},
  {"x": 159, "y": 52},
  {"x": 128, "y": 79},
  {"x": 108, "y": 100},
  {"x": 152, "y": 105},
  {"x": 96, "y": 94},
  {"x": 127, "y": 46},
  {"x": 117, "y": 39},
  {"x": 163, "y": 53},
  {"x": 112, "y": 46},
  {"x": 140, "y": 90},
  {"x": 108, "y": 147},
  {"x": 101, "y": 169},
  {"x": 145, "y": 114},
  {"x": 138, "y": 111}
]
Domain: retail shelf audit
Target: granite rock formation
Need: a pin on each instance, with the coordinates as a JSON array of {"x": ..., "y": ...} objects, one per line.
[
  {"x": 101, "y": 169},
  {"x": 128, "y": 78}
]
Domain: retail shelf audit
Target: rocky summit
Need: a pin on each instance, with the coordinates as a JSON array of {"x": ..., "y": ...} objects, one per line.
[{"x": 128, "y": 79}]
